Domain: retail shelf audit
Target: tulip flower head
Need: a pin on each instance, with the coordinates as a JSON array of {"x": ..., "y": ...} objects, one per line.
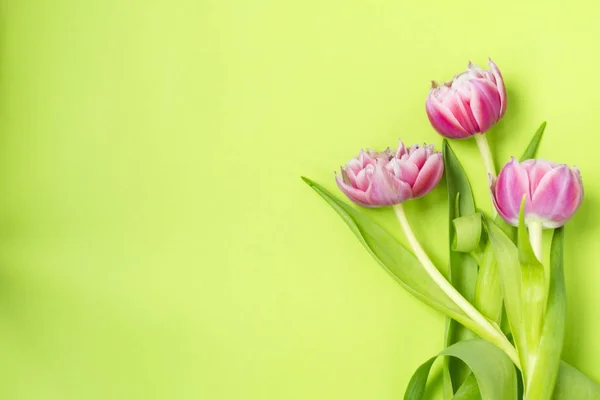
[
  {"x": 390, "y": 177},
  {"x": 472, "y": 102},
  {"x": 552, "y": 192}
]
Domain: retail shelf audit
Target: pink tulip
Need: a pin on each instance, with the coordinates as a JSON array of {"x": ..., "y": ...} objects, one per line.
[
  {"x": 472, "y": 102},
  {"x": 553, "y": 192},
  {"x": 388, "y": 178}
]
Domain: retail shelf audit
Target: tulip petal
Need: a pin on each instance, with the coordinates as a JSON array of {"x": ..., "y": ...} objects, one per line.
[
  {"x": 485, "y": 103},
  {"x": 418, "y": 156},
  {"x": 512, "y": 184},
  {"x": 443, "y": 120},
  {"x": 459, "y": 107},
  {"x": 404, "y": 170},
  {"x": 386, "y": 190},
  {"x": 356, "y": 196},
  {"x": 499, "y": 86},
  {"x": 550, "y": 192},
  {"x": 509, "y": 219},
  {"x": 558, "y": 196},
  {"x": 363, "y": 178},
  {"x": 401, "y": 149},
  {"x": 429, "y": 176},
  {"x": 536, "y": 169}
]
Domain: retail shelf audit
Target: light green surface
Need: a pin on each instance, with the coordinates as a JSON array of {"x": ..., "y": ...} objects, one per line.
[{"x": 156, "y": 241}]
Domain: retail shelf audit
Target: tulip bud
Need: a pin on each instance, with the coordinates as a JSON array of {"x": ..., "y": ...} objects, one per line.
[
  {"x": 374, "y": 179},
  {"x": 552, "y": 192},
  {"x": 472, "y": 102}
]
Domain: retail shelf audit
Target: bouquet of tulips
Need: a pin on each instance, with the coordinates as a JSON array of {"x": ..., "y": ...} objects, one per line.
[{"x": 505, "y": 306}]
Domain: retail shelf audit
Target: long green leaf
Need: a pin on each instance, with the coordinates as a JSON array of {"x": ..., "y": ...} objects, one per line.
[
  {"x": 572, "y": 384},
  {"x": 546, "y": 369},
  {"x": 493, "y": 371},
  {"x": 393, "y": 257},
  {"x": 531, "y": 149},
  {"x": 462, "y": 269},
  {"x": 507, "y": 256},
  {"x": 533, "y": 296}
]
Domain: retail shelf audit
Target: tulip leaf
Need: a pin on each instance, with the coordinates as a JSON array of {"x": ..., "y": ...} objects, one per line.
[
  {"x": 467, "y": 233},
  {"x": 533, "y": 296},
  {"x": 531, "y": 149},
  {"x": 469, "y": 390},
  {"x": 543, "y": 377},
  {"x": 462, "y": 269},
  {"x": 488, "y": 291},
  {"x": 491, "y": 368},
  {"x": 396, "y": 259},
  {"x": 507, "y": 257},
  {"x": 573, "y": 384}
]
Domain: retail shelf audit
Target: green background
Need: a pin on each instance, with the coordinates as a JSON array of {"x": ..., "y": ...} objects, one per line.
[{"x": 156, "y": 241}]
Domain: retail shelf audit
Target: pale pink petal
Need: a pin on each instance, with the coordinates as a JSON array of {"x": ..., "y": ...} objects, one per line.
[
  {"x": 385, "y": 190},
  {"x": 429, "y": 176},
  {"x": 363, "y": 180},
  {"x": 536, "y": 169},
  {"x": 460, "y": 108},
  {"x": 401, "y": 149},
  {"x": 550, "y": 192},
  {"x": 442, "y": 119},
  {"x": 499, "y": 86},
  {"x": 558, "y": 196},
  {"x": 512, "y": 184},
  {"x": 418, "y": 156},
  {"x": 485, "y": 103},
  {"x": 508, "y": 218},
  {"x": 406, "y": 171},
  {"x": 356, "y": 196}
]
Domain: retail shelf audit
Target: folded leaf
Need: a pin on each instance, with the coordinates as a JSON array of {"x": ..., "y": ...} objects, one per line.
[
  {"x": 492, "y": 369},
  {"x": 467, "y": 233}
]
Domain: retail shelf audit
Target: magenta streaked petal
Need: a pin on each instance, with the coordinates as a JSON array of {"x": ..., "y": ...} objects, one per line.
[
  {"x": 385, "y": 190},
  {"x": 536, "y": 169},
  {"x": 442, "y": 119},
  {"x": 558, "y": 195},
  {"x": 512, "y": 184},
  {"x": 363, "y": 178},
  {"x": 462, "y": 112},
  {"x": 499, "y": 86},
  {"x": 406, "y": 171},
  {"x": 485, "y": 103},
  {"x": 401, "y": 149},
  {"x": 429, "y": 176},
  {"x": 508, "y": 218},
  {"x": 418, "y": 156},
  {"x": 356, "y": 196}
]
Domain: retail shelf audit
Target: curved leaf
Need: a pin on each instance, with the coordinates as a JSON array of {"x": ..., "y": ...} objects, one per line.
[
  {"x": 493, "y": 371},
  {"x": 393, "y": 257},
  {"x": 467, "y": 233}
]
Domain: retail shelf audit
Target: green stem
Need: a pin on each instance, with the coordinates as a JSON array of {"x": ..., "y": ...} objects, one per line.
[
  {"x": 486, "y": 154},
  {"x": 489, "y": 331},
  {"x": 488, "y": 160}
]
